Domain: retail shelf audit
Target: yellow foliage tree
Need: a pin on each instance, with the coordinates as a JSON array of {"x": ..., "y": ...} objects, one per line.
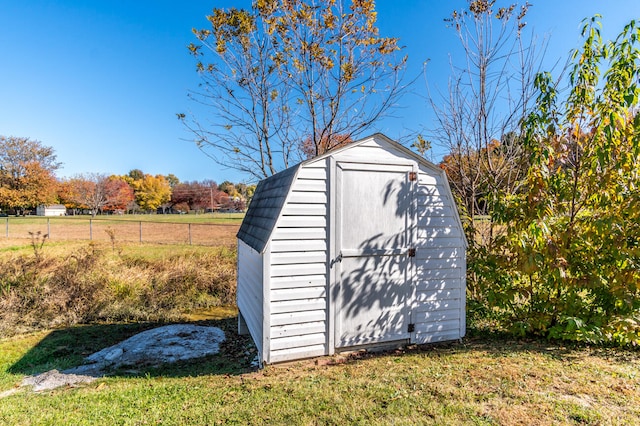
[{"x": 151, "y": 192}]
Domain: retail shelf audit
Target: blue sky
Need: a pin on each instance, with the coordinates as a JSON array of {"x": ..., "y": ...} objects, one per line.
[{"x": 102, "y": 81}]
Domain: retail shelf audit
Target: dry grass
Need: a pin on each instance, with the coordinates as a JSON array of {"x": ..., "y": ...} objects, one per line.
[
  {"x": 202, "y": 230},
  {"x": 64, "y": 284}
]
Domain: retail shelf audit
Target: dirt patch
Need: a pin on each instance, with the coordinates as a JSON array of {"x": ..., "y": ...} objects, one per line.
[{"x": 153, "y": 347}]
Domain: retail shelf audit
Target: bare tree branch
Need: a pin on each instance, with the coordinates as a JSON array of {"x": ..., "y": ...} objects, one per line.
[
  {"x": 286, "y": 70},
  {"x": 489, "y": 95}
]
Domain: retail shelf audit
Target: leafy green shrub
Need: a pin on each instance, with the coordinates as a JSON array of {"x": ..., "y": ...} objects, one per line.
[{"x": 568, "y": 265}]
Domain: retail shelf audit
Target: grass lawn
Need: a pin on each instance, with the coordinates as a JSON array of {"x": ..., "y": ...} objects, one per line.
[{"x": 484, "y": 380}]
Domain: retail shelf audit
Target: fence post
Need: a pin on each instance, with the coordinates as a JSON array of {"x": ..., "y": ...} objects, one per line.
[
  {"x": 140, "y": 231},
  {"x": 189, "y": 234},
  {"x": 7, "y": 226},
  {"x": 49, "y": 228},
  {"x": 90, "y": 230}
]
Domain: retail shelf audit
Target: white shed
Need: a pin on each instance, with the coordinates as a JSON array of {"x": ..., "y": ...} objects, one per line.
[
  {"x": 51, "y": 210},
  {"x": 361, "y": 246}
]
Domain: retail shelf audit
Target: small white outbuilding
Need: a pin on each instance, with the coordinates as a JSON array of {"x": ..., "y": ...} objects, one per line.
[
  {"x": 51, "y": 210},
  {"x": 361, "y": 246}
]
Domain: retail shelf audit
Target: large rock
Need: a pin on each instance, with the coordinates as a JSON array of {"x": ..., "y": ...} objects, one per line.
[{"x": 153, "y": 347}]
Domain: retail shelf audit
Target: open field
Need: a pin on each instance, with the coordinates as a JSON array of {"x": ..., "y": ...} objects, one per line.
[{"x": 206, "y": 229}]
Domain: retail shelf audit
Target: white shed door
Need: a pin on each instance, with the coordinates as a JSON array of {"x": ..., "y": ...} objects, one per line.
[{"x": 375, "y": 225}]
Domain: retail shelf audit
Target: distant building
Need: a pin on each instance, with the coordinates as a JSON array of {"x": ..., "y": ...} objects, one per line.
[{"x": 51, "y": 210}]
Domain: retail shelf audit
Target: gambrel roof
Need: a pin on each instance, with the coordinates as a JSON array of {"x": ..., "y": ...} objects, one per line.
[
  {"x": 264, "y": 209},
  {"x": 271, "y": 193}
]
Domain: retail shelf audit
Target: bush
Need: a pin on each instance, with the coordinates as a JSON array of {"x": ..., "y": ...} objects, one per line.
[{"x": 568, "y": 264}]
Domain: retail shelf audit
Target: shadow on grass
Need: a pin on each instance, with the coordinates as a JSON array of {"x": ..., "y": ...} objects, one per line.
[
  {"x": 496, "y": 344},
  {"x": 66, "y": 348}
]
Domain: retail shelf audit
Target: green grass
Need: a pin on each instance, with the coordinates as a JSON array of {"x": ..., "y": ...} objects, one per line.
[{"x": 481, "y": 381}]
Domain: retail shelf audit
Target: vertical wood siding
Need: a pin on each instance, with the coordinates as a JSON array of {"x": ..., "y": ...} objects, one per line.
[
  {"x": 298, "y": 319},
  {"x": 249, "y": 293},
  {"x": 440, "y": 259},
  {"x": 440, "y": 281}
]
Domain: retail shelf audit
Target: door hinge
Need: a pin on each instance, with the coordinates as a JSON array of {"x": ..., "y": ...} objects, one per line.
[
  {"x": 412, "y": 328},
  {"x": 413, "y": 176},
  {"x": 411, "y": 252}
]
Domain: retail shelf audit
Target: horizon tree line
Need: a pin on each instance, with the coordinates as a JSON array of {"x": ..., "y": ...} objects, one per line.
[{"x": 27, "y": 180}]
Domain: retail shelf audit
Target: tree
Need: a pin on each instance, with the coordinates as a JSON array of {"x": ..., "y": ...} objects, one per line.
[
  {"x": 249, "y": 192},
  {"x": 136, "y": 174},
  {"x": 245, "y": 191},
  {"x": 196, "y": 195},
  {"x": 79, "y": 193},
  {"x": 311, "y": 149},
  {"x": 27, "y": 170},
  {"x": 489, "y": 95},
  {"x": 289, "y": 68},
  {"x": 96, "y": 192},
  {"x": 151, "y": 192},
  {"x": 569, "y": 264},
  {"x": 229, "y": 188},
  {"x": 172, "y": 179},
  {"x": 66, "y": 195},
  {"x": 119, "y": 194}
]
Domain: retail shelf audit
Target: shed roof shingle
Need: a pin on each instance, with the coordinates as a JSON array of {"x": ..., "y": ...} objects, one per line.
[{"x": 265, "y": 207}]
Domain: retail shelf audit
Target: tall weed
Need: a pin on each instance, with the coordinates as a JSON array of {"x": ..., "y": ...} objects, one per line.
[{"x": 94, "y": 284}]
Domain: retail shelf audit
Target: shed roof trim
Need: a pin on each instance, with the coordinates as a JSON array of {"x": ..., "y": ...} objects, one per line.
[{"x": 378, "y": 137}]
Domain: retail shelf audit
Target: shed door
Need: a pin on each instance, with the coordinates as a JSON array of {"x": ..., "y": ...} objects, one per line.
[{"x": 375, "y": 226}]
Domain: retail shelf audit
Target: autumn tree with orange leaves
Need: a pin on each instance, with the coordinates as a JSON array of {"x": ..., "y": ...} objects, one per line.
[
  {"x": 95, "y": 192},
  {"x": 27, "y": 170}
]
